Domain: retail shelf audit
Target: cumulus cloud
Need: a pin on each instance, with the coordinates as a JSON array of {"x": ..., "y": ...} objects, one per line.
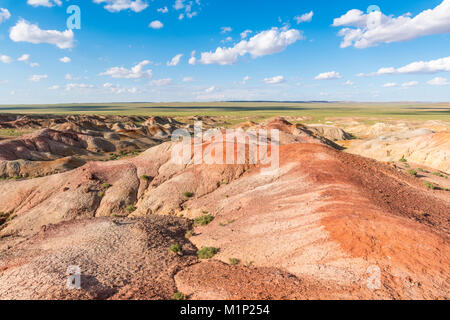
[
  {"x": 187, "y": 6},
  {"x": 245, "y": 79},
  {"x": 245, "y": 34},
  {"x": 264, "y": 43},
  {"x": 349, "y": 83},
  {"x": 332, "y": 75},
  {"x": 65, "y": 60},
  {"x": 135, "y": 72},
  {"x": 4, "y": 14},
  {"x": 44, "y": 3},
  {"x": 188, "y": 79},
  {"x": 160, "y": 82},
  {"x": 439, "y": 81},
  {"x": 390, "y": 85},
  {"x": 175, "y": 61},
  {"x": 192, "y": 59},
  {"x": 419, "y": 67},
  {"x": 210, "y": 89},
  {"x": 307, "y": 17},
  {"x": 119, "y": 5},
  {"x": 24, "y": 58},
  {"x": 410, "y": 84},
  {"x": 163, "y": 10},
  {"x": 274, "y": 80},
  {"x": 225, "y": 30},
  {"x": 368, "y": 30},
  {"x": 24, "y": 31},
  {"x": 119, "y": 89},
  {"x": 71, "y": 86},
  {"x": 5, "y": 58},
  {"x": 156, "y": 24},
  {"x": 37, "y": 77}
]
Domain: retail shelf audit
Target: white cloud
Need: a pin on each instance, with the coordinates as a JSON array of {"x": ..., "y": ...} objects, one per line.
[
  {"x": 389, "y": 85},
  {"x": 156, "y": 24},
  {"x": 24, "y": 57},
  {"x": 71, "y": 86},
  {"x": 225, "y": 30},
  {"x": 245, "y": 34},
  {"x": 160, "y": 82},
  {"x": 163, "y": 10},
  {"x": 210, "y": 89},
  {"x": 175, "y": 61},
  {"x": 65, "y": 60},
  {"x": 135, "y": 72},
  {"x": 410, "y": 84},
  {"x": 24, "y": 31},
  {"x": 179, "y": 4},
  {"x": 119, "y": 89},
  {"x": 439, "y": 81},
  {"x": 119, "y": 5},
  {"x": 55, "y": 87},
  {"x": 5, "y": 59},
  {"x": 4, "y": 15},
  {"x": 332, "y": 75},
  {"x": 192, "y": 59},
  {"x": 274, "y": 80},
  {"x": 245, "y": 79},
  {"x": 44, "y": 3},
  {"x": 38, "y": 77},
  {"x": 368, "y": 30},
  {"x": 187, "y": 7},
  {"x": 188, "y": 79},
  {"x": 349, "y": 83},
  {"x": 307, "y": 17},
  {"x": 419, "y": 67},
  {"x": 264, "y": 43}
]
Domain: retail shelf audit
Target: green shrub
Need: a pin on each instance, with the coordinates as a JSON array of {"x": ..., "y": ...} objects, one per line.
[
  {"x": 145, "y": 177},
  {"x": 429, "y": 185},
  {"x": 233, "y": 261},
  {"x": 203, "y": 220},
  {"x": 438, "y": 174},
  {"x": 189, "y": 234},
  {"x": 106, "y": 186},
  {"x": 403, "y": 159},
  {"x": 176, "y": 248},
  {"x": 131, "y": 208},
  {"x": 188, "y": 194},
  {"x": 100, "y": 194},
  {"x": 412, "y": 172},
  {"x": 207, "y": 253},
  {"x": 179, "y": 296}
]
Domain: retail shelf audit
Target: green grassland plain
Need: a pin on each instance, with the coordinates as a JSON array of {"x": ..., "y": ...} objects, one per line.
[{"x": 256, "y": 111}]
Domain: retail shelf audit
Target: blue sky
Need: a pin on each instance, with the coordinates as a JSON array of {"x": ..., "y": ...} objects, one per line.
[{"x": 295, "y": 50}]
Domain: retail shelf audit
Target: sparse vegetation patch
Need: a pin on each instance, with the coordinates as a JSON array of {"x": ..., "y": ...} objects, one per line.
[
  {"x": 131, "y": 208},
  {"x": 179, "y": 296},
  {"x": 207, "y": 253},
  {"x": 203, "y": 220},
  {"x": 176, "y": 248}
]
